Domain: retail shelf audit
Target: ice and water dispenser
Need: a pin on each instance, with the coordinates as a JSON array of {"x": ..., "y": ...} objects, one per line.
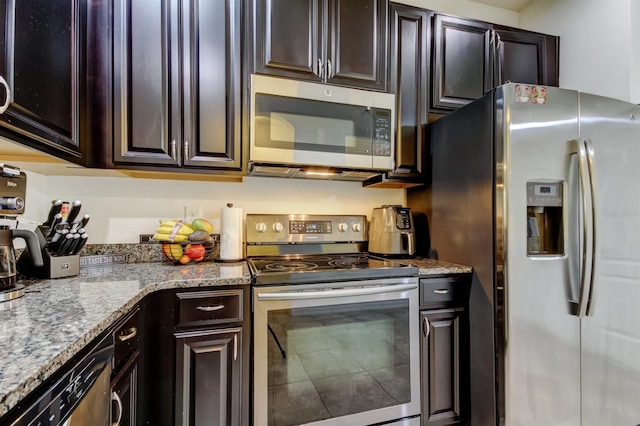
[{"x": 544, "y": 218}]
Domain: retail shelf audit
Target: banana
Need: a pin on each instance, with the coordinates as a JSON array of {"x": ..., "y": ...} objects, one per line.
[
  {"x": 183, "y": 230},
  {"x": 172, "y": 223},
  {"x": 167, "y": 238}
]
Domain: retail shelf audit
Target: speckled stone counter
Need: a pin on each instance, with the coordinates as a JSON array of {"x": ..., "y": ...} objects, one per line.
[
  {"x": 436, "y": 267},
  {"x": 55, "y": 319}
]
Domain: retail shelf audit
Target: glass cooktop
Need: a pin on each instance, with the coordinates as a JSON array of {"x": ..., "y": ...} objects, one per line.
[{"x": 291, "y": 269}]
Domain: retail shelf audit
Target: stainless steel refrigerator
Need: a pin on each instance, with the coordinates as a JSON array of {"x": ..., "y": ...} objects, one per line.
[{"x": 538, "y": 188}]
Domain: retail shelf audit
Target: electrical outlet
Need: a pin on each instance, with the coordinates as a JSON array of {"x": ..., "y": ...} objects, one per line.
[{"x": 192, "y": 212}]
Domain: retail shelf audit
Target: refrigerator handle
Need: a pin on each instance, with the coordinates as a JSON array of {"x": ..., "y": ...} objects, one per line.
[
  {"x": 594, "y": 226},
  {"x": 499, "y": 58},
  {"x": 585, "y": 166}
]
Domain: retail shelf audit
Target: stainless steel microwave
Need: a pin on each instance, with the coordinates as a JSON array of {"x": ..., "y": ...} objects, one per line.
[{"x": 311, "y": 130}]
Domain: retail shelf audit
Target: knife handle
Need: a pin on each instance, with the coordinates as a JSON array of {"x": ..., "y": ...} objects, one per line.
[
  {"x": 65, "y": 245},
  {"x": 74, "y": 210},
  {"x": 57, "y": 219},
  {"x": 56, "y": 207},
  {"x": 79, "y": 243}
]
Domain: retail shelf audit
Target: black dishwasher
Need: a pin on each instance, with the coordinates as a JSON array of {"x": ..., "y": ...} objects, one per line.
[{"x": 79, "y": 395}]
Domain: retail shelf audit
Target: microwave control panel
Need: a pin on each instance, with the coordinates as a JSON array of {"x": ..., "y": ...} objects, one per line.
[{"x": 382, "y": 132}]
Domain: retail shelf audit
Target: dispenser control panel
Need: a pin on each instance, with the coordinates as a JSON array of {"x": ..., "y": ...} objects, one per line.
[{"x": 544, "y": 194}]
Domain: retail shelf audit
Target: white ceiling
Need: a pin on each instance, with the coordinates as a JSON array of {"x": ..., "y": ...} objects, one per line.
[{"x": 515, "y": 5}]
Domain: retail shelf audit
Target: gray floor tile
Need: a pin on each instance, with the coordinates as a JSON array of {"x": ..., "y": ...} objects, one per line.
[
  {"x": 329, "y": 363},
  {"x": 287, "y": 370},
  {"x": 377, "y": 354},
  {"x": 395, "y": 381},
  {"x": 354, "y": 393},
  {"x": 295, "y": 404}
]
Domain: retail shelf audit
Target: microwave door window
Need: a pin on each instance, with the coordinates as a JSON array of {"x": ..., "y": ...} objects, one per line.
[{"x": 300, "y": 124}]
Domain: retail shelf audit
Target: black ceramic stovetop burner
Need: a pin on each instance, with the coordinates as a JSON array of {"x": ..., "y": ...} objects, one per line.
[{"x": 292, "y": 269}]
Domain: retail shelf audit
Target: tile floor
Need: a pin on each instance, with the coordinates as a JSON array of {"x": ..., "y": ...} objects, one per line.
[{"x": 339, "y": 360}]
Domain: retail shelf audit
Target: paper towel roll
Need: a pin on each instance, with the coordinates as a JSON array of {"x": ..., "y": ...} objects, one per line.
[{"x": 231, "y": 233}]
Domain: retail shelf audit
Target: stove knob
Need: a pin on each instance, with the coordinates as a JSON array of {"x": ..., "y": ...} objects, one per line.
[
  {"x": 356, "y": 227},
  {"x": 277, "y": 227},
  {"x": 342, "y": 227},
  {"x": 261, "y": 227}
]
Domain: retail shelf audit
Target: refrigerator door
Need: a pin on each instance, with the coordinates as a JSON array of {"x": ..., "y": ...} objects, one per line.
[
  {"x": 541, "y": 336},
  {"x": 611, "y": 330}
]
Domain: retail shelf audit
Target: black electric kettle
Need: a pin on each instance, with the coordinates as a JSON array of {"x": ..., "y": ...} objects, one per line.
[{"x": 8, "y": 274}]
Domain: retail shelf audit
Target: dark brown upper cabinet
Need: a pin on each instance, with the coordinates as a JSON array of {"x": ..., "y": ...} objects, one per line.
[
  {"x": 50, "y": 91},
  {"x": 472, "y": 57},
  {"x": 176, "y": 84},
  {"x": 409, "y": 81},
  {"x": 525, "y": 57},
  {"x": 461, "y": 61},
  {"x": 342, "y": 42}
]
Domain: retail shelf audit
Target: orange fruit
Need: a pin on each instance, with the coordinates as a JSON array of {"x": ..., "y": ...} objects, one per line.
[{"x": 184, "y": 259}]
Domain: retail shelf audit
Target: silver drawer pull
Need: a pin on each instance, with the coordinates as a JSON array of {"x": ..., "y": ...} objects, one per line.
[
  {"x": 210, "y": 308},
  {"x": 130, "y": 334},
  {"x": 442, "y": 291}
]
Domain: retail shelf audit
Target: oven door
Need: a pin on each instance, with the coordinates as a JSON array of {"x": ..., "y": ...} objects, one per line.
[{"x": 336, "y": 353}]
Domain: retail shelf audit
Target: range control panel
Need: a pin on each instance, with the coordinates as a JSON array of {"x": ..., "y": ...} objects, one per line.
[{"x": 281, "y": 229}]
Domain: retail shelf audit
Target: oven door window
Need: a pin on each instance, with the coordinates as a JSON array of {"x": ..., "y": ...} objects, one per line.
[
  {"x": 308, "y": 125},
  {"x": 333, "y": 361}
]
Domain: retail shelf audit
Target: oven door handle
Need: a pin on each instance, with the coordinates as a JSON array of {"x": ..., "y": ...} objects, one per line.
[{"x": 335, "y": 292}]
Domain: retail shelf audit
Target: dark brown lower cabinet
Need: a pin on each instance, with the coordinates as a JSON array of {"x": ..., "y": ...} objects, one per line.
[
  {"x": 209, "y": 377},
  {"x": 444, "y": 350},
  {"x": 124, "y": 391},
  {"x": 441, "y": 372}
]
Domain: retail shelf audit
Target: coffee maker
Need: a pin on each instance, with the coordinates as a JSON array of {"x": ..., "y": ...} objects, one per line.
[{"x": 13, "y": 185}]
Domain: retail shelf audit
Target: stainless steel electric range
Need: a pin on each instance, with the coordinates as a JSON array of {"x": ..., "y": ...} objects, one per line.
[{"x": 335, "y": 329}]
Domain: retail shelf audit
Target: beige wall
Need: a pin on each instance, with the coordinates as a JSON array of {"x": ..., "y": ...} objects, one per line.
[
  {"x": 123, "y": 208},
  {"x": 599, "y": 43}
]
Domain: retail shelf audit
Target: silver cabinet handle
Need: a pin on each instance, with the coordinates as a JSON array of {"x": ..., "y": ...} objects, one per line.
[
  {"x": 425, "y": 327},
  {"x": 235, "y": 347},
  {"x": 210, "y": 308},
  {"x": 442, "y": 291},
  {"x": 7, "y": 101},
  {"x": 174, "y": 150},
  {"x": 584, "y": 151},
  {"x": 186, "y": 150},
  {"x": 115, "y": 397},
  {"x": 329, "y": 74},
  {"x": 320, "y": 69},
  {"x": 130, "y": 334}
]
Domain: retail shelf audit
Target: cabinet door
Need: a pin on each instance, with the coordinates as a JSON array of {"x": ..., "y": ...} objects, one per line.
[
  {"x": 441, "y": 368},
  {"x": 124, "y": 394},
  {"x": 288, "y": 37},
  {"x": 208, "y": 377},
  {"x": 146, "y": 68},
  {"x": 357, "y": 43},
  {"x": 211, "y": 81},
  {"x": 526, "y": 57},
  {"x": 40, "y": 68},
  {"x": 461, "y": 63},
  {"x": 409, "y": 81}
]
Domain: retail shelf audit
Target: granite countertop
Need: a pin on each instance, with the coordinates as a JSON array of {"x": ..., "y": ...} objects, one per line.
[
  {"x": 55, "y": 319},
  {"x": 428, "y": 267}
]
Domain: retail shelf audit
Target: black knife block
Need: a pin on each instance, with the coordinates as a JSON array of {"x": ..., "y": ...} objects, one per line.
[{"x": 54, "y": 266}]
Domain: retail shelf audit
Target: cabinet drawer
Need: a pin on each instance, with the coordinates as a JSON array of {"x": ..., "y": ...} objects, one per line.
[
  {"x": 126, "y": 339},
  {"x": 443, "y": 291},
  {"x": 209, "y": 307}
]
